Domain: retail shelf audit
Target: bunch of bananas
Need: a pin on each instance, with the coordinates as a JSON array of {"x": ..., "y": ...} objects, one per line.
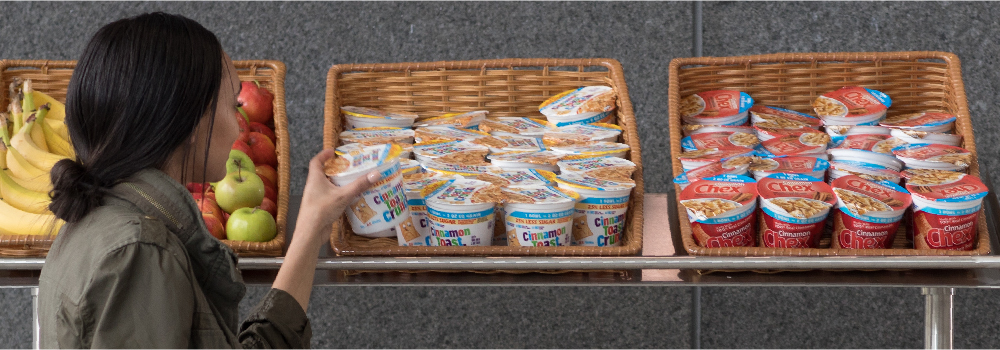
[{"x": 34, "y": 139}]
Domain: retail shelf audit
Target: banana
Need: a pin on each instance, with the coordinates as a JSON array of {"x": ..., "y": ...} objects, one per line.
[
  {"x": 22, "y": 198},
  {"x": 58, "y": 112},
  {"x": 38, "y": 137},
  {"x": 36, "y": 156},
  {"x": 19, "y": 167},
  {"x": 41, "y": 184},
  {"x": 19, "y": 222},
  {"x": 56, "y": 143},
  {"x": 59, "y": 127}
]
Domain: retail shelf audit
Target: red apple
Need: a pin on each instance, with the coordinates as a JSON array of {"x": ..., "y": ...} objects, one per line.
[
  {"x": 244, "y": 125},
  {"x": 257, "y": 102},
  {"x": 269, "y": 206},
  {"x": 239, "y": 189},
  {"x": 208, "y": 206},
  {"x": 268, "y": 174},
  {"x": 262, "y": 150},
  {"x": 215, "y": 226},
  {"x": 270, "y": 192},
  {"x": 225, "y": 217},
  {"x": 263, "y": 129},
  {"x": 252, "y": 225},
  {"x": 195, "y": 187},
  {"x": 242, "y": 146}
]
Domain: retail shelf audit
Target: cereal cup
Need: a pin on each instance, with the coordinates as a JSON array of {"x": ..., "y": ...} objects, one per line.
[
  {"x": 780, "y": 118},
  {"x": 795, "y": 209},
  {"x": 717, "y": 107},
  {"x": 868, "y": 148},
  {"x": 381, "y": 207},
  {"x": 588, "y": 104},
  {"x": 722, "y": 211},
  {"x": 604, "y": 168},
  {"x": 451, "y": 152},
  {"x": 461, "y": 212},
  {"x": 868, "y": 213},
  {"x": 515, "y": 143},
  {"x": 539, "y": 216},
  {"x": 593, "y": 149},
  {"x": 361, "y": 117},
  {"x": 544, "y": 160},
  {"x": 582, "y": 133},
  {"x": 514, "y": 126},
  {"x": 467, "y": 171},
  {"x": 913, "y": 136},
  {"x": 722, "y": 139},
  {"x": 867, "y": 171},
  {"x": 438, "y": 133},
  {"x": 417, "y": 230},
  {"x": 695, "y": 159},
  {"x": 945, "y": 208},
  {"x": 809, "y": 166},
  {"x": 600, "y": 216},
  {"x": 377, "y": 135},
  {"x": 934, "y": 156},
  {"x": 804, "y": 143},
  {"x": 766, "y": 133},
  {"x": 924, "y": 121},
  {"x": 409, "y": 167},
  {"x": 519, "y": 178},
  {"x": 689, "y": 129},
  {"x": 852, "y": 105},
  {"x": 467, "y": 120}
]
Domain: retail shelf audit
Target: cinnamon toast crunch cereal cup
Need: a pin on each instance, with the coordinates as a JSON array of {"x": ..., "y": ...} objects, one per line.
[
  {"x": 924, "y": 121},
  {"x": 381, "y": 207},
  {"x": 539, "y": 216},
  {"x": 377, "y": 135},
  {"x": 722, "y": 211},
  {"x": 467, "y": 171},
  {"x": 593, "y": 149},
  {"x": 519, "y": 178},
  {"x": 515, "y": 143},
  {"x": 461, "y": 211},
  {"x": 795, "y": 209},
  {"x": 780, "y": 118},
  {"x": 600, "y": 213},
  {"x": 913, "y": 136},
  {"x": 362, "y": 117},
  {"x": 544, "y": 160},
  {"x": 451, "y": 152},
  {"x": 716, "y": 107},
  {"x": 945, "y": 208},
  {"x": 514, "y": 126},
  {"x": 582, "y": 133},
  {"x": 604, "y": 168},
  {"x": 467, "y": 120},
  {"x": 417, "y": 231},
  {"x": 852, "y": 105},
  {"x": 868, "y": 213},
  {"x": 934, "y": 156},
  {"x": 585, "y": 105}
]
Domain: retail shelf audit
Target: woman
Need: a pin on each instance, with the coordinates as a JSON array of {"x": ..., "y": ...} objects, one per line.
[{"x": 150, "y": 106}]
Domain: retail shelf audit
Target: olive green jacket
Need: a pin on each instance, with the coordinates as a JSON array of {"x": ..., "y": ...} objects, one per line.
[{"x": 142, "y": 271}]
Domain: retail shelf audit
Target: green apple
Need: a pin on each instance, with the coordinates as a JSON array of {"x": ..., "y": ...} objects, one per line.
[
  {"x": 251, "y": 225},
  {"x": 239, "y": 189},
  {"x": 239, "y": 160}
]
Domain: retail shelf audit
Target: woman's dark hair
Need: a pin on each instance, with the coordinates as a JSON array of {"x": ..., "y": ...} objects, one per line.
[{"x": 138, "y": 92}]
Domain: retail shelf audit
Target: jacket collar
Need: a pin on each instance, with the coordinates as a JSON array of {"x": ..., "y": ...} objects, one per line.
[{"x": 214, "y": 263}]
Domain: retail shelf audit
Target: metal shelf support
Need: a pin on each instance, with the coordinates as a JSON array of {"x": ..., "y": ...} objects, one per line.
[{"x": 938, "y": 322}]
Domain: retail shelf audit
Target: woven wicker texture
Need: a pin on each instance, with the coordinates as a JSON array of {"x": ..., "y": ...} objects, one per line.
[
  {"x": 507, "y": 87},
  {"x": 916, "y": 82},
  {"x": 52, "y": 78}
]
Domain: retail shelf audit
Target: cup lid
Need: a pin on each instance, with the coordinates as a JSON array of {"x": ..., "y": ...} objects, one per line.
[
  {"x": 365, "y": 112},
  {"x": 922, "y": 119},
  {"x": 946, "y": 186},
  {"x": 519, "y": 177},
  {"x": 579, "y": 181},
  {"x": 721, "y": 139},
  {"x": 715, "y": 104},
  {"x": 515, "y": 125},
  {"x": 458, "y": 120},
  {"x": 934, "y": 153},
  {"x": 780, "y": 118},
  {"x": 361, "y": 159},
  {"x": 539, "y": 195},
  {"x": 851, "y": 102},
  {"x": 789, "y": 164},
  {"x": 462, "y": 192},
  {"x": 863, "y": 197},
  {"x": 582, "y": 100}
]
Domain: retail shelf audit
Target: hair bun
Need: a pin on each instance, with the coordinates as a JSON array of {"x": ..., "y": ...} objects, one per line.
[{"x": 75, "y": 192}]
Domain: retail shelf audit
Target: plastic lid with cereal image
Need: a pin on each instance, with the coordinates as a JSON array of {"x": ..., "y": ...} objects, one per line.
[
  {"x": 805, "y": 143},
  {"x": 812, "y": 166},
  {"x": 780, "y": 118},
  {"x": 577, "y": 182},
  {"x": 587, "y": 99},
  {"x": 506, "y": 126},
  {"x": 466, "y": 170},
  {"x": 607, "y": 168},
  {"x": 539, "y": 195},
  {"x": 733, "y": 166},
  {"x": 376, "y": 135},
  {"x": 852, "y": 105},
  {"x": 363, "y": 117},
  {"x": 868, "y": 148},
  {"x": 795, "y": 198},
  {"x": 870, "y": 199},
  {"x": 582, "y": 133},
  {"x": 766, "y": 133},
  {"x": 519, "y": 177},
  {"x": 945, "y": 186},
  {"x": 723, "y": 139},
  {"x": 863, "y": 170},
  {"x": 923, "y": 121},
  {"x": 934, "y": 156},
  {"x": 461, "y": 192},
  {"x": 695, "y": 159},
  {"x": 446, "y": 133},
  {"x": 517, "y": 143},
  {"x": 916, "y": 136},
  {"x": 361, "y": 160},
  {"x": 692, "y": 129},
  {"x": 454, "y": 152},
  {"x": 545, "y": 160},
  {"x": 593, "y": 149},
  {"x": 469, "y": 120},
  {"x": 716, "y": 107}
]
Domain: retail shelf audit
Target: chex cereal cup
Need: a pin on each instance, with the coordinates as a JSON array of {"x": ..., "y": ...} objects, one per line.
[
  {"x": 717, "y": 107},
  {"x": 839, "y": 132},
  {"x": 582, "y": 133},
  {"x": 852, "y": 105},
  {"x": 871, "y": 149},
  {"x": 733, "y": 166},
  {"x": 924, "y": 121},
  {"x": 588, "y": 104},
  {"x": 810, "y": 166},
  {"x": 381, "y": 207},
  {"x": 514, "y": 126},
  {"x": 780, "y": 118},
  {"x": 868, "y": 213},
  {"x": 604, "y": 168},
  {"x": 722, "y": 211},
  {"x": 539, "y": 216},
  {"x": 691, "y": 129},
  {"x": 695, "y": 159},
  {"x": 467, "y": 120},
  {"x": 795, "y": 209},
  {"x": 867, "y": 171},
  {"x": 808, "y": 143},
  {"x": 722, "y": 139},
  {"x": 600, "y": 211},
  {"x": 767, "y": 133},
  {"x": 934, "y": 156},
  {"x": 945, "y": 208},
  {"x": 914, "y": 136},
  {"x": 362, "y": 117},
  {"x": 462, "y": 211}
]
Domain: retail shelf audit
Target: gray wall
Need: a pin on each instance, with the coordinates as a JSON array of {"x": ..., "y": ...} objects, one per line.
[{"x": 309, "y": 37}]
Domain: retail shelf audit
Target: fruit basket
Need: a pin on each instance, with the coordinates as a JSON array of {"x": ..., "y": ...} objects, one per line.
[
  {"x": 916, "y": 81},
  {"x": 52, "y": 78},
  {"x": 505, "y": 88}
]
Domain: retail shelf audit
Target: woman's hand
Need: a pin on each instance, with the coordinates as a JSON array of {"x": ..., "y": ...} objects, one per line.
[{"x": 322, "y": 201}]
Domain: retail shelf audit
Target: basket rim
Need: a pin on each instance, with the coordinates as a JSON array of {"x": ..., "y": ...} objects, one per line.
[{"x": 615, "y": 73}]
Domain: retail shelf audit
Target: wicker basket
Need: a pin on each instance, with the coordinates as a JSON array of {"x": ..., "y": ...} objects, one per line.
[
  {"x": 52, "y": 78},
  {"x": 916, "y": 81},
  {"x": 506, "y": 88}
]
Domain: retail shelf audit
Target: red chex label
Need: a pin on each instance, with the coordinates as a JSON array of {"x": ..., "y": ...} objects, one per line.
[
  {"x": 792, "y": 185},
  {"x": 859, "y": 101},
  {"x": 789, "y": 145},
  {"x": 780, "y": 234},
  {"x": 796, "y": 165},
  {"x": 858, "y": 234},
  {"x": 722, "y": 103},
  {"x": 738, "y": 233},
  {"x": 743, "y": 192},
  {"x": 948, "y": 232},
  {"x": 706, "y": 171}
]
